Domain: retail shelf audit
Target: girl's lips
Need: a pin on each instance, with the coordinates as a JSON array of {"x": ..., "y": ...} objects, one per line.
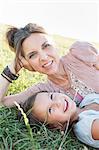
[{"x": 66, "y": 106}]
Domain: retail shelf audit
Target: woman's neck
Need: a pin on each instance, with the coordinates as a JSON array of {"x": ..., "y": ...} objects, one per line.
[
  {"x": 60, "y": 71},
  {"x": 60, "y": 76}
]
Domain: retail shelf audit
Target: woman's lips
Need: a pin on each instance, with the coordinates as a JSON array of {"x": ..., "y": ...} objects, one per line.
[
  {"x": 48, "y": 64},
  {"x": 66, "y": 106}
]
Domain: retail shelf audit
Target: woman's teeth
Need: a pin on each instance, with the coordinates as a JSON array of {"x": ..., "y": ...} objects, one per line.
[{"x": 47, "y": 64}]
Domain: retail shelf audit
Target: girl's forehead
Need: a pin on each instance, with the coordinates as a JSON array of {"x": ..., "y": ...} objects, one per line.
[{"x": 41, "y": 105}]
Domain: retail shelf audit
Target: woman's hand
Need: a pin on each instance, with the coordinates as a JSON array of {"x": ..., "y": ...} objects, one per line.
[
  {"x": 21, "y": 63},
  {"x": 97, "y": 63}
]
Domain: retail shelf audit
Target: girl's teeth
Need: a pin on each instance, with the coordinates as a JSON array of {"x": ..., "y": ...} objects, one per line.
[{"x": 66, "y": 105}]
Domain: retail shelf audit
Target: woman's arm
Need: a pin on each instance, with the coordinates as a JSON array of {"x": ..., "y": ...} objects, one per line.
[
  {"x": 97, "y": 63},
  {"x": 95, "y": 129},
  {"x": 4, "y": 83},
  {"x": 86, "y": 52},
  {"x": 23, "y": 96},
  {"x": 3, "y": 87}
]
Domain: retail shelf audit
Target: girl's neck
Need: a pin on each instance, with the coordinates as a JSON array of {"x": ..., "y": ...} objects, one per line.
[{"x": 75, "y": 116}]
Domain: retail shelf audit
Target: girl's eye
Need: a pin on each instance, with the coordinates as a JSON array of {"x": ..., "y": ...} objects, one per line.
[
  {"x": 50, "y": 110},
  {"x": 51, "y": 96}
]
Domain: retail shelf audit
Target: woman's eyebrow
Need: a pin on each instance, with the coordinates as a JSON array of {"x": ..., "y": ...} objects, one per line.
[
  {"x": 33, "y": 52},
  {"x": 44, "y": 44}
]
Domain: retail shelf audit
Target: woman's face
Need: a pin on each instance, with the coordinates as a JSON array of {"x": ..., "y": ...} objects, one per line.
[
  {"x": 54, "y": 107},
  {"x": 41, "y": 54}
]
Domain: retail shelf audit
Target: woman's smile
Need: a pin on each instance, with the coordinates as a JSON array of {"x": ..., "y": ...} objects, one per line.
[
  {"x": 48, "y": 64},
  {"x": 43, "y": 59}
]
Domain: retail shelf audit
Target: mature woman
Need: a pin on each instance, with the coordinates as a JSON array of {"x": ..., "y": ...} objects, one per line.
[{"x": 76, "y": 73}]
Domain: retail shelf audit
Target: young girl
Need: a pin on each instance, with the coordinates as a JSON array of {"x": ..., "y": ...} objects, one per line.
[{"x": 57, "y": 109}]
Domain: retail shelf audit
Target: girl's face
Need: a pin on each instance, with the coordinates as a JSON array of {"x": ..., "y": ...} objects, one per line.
[
  {"x": 54, "y": 107},
  {"x": 41, "y": 54}
]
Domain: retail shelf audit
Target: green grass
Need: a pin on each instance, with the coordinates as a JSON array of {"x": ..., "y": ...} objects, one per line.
[{"x": 14, "y": 134}]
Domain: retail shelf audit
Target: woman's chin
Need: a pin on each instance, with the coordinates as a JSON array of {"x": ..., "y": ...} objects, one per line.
[{"x": 51, "y": 71}]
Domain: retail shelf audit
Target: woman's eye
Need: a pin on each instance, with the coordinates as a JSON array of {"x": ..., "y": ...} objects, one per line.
[
  {"x": 47, "y": 45},
  {"x": 32, "y": 55}
]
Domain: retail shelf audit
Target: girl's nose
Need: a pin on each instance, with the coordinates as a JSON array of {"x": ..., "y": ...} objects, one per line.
[{"x": 57, "y": 103}]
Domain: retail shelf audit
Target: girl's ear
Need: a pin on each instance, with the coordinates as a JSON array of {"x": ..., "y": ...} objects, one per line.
[
  {"x": 58, "y": 125},
  {"x": 55, "y": 126},
  {"x": 63, "y": 127}
]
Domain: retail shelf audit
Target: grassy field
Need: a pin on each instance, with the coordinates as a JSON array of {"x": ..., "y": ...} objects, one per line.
[{"x": 14, "y": 134}]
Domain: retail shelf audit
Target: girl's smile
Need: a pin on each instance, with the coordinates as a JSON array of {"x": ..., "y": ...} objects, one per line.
[{"x": 55, "y": 107}]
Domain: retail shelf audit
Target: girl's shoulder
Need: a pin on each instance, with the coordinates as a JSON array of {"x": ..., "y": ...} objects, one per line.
[{"x": 89, "y": 99}]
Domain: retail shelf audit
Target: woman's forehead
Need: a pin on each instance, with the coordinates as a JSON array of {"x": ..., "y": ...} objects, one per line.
[
  {"x": 35, "y": 41},
  {"x": 37, "y": 38}
]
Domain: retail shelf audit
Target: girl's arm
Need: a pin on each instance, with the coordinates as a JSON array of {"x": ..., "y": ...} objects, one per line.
[{"x": 95, "y": 129}]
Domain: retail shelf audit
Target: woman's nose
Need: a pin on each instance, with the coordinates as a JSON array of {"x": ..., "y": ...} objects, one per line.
[{"x": 43, "y": 55}]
